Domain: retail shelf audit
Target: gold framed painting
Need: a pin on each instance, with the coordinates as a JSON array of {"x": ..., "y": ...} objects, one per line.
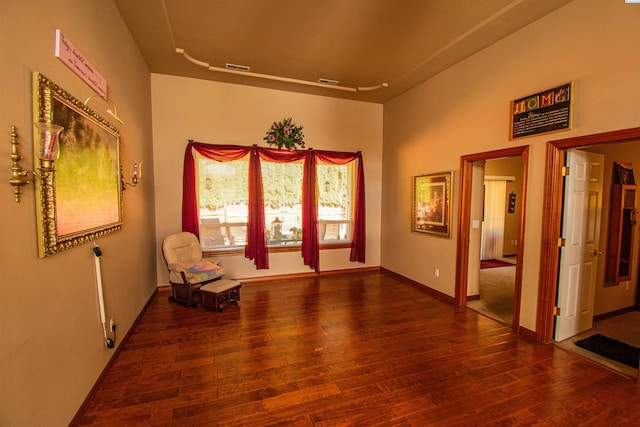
[
  {"x": 81, "y": 200},
  {"x": 431, "y": 209}
]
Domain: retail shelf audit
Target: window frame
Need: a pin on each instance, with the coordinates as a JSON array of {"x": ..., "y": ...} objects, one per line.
[{"x": 324, "y": 244}]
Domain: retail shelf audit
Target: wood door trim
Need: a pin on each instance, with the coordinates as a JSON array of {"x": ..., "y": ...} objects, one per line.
[
  {"x": 464, "y": 224},
  {"x": 552, "y": 220}
]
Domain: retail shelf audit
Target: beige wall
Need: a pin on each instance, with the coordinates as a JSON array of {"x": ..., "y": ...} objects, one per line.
[
  {"x": 466, "y": 109},
  {"x": 52, "y": 347},
  {"x": 222, "y": 113}
]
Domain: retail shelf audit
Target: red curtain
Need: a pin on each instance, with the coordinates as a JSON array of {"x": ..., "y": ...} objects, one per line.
[
  {"x": 310, "y": 245},
  {"x": 256, "y": 248}
]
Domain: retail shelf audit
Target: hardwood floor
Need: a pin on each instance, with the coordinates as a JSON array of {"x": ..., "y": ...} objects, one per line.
[{"x": 361, "y": 349}]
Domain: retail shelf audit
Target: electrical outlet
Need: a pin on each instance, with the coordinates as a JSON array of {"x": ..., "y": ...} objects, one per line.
[
  {"x": 436, "y": 272},
  {"x": 112, "y": 325}
]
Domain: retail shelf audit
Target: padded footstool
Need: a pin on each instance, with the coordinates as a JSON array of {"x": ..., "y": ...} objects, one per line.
[{"x": 215, "y": 293}]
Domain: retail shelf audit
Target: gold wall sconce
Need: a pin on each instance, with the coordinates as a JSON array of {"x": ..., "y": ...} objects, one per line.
[
  {"x": 136, "y": 175},
  {"x": 47, "y": 137},
  {"x": 113, "y": 111}
]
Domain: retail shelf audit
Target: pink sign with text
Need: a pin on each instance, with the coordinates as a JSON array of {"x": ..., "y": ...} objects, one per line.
[{"x": 66, "y": 52}]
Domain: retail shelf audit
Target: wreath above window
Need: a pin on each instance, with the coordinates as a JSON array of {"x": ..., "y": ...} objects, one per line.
[{"x": 285, "y": 134}]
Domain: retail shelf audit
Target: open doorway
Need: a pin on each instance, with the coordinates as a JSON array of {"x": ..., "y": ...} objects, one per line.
[
  {"x": 624, "y": 145},
  {"x": 472, "y": 178},
  {"x": 491, "y": 289}
]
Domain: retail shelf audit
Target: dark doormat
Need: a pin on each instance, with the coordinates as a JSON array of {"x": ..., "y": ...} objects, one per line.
[{"x": 611, "y": 349}]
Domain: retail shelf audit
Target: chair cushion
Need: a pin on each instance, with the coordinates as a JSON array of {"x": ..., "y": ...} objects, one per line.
[
  {"x": 201, "y": 271},
  {"x": 221, "y": 285},
  {"x": 181, "y": 250}
]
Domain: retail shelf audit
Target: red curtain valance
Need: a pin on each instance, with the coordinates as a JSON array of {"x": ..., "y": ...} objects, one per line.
[{"x": 256, "y": 248}]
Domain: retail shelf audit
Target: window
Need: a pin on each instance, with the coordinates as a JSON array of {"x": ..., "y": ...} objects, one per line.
[
  {"x": 222, "y": 194},
  {"x": 255, "y": 247},
  {"x": 222, "y": 200},
  {"x": 282, "y": 187},
  {"x": 336, "y": 192}
]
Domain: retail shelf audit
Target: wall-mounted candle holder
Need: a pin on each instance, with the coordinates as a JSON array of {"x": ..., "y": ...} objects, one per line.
[
  {"x": 136, "y": 175},
  {"x": 47, "y": 137}
]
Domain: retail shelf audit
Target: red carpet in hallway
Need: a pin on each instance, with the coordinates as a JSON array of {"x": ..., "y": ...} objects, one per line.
[{"x": 492, "y": 263}]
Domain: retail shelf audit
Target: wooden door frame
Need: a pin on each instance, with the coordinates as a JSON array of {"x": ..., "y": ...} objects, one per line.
[
  {"x": 552, "y": 220},
  {"x": 464, "y": 223}
]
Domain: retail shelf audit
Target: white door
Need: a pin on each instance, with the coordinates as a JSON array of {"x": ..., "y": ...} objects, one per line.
[{"x": 581, "y": 231}]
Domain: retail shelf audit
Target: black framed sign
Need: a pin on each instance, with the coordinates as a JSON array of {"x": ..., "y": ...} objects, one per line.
[{"x": 548, "y": 111}]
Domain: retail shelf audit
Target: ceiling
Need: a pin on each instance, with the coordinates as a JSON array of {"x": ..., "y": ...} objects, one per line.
[{"x": 375, "y": 49}]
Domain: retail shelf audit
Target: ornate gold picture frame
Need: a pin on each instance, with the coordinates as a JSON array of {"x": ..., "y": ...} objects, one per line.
[
  {"x": 431, "y": 210},
  {"x": 81, "y": 200}
]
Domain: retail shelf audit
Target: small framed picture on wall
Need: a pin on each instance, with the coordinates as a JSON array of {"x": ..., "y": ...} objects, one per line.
[{"x": 431, "y": 211}]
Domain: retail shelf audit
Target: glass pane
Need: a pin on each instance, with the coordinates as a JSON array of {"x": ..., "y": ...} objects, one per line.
[
  {"x": 335, "y": 202},
  {"x": 222, "y": 198},
  {"x": 282, "y": 185}
]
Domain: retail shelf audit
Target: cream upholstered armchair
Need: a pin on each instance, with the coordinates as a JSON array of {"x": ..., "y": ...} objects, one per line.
[{"x": 187, "y": 270}]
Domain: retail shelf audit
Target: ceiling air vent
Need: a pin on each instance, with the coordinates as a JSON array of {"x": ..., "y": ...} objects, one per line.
[
  {"x": 328, "y": 81},
  {"x": 237, "y": 67}
]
